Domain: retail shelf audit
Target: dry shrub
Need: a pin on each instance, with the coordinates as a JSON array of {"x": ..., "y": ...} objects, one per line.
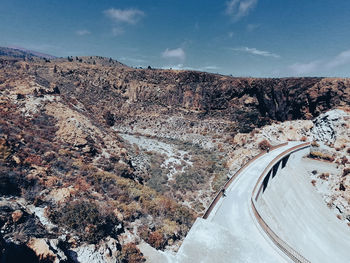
[
  {"x": 32, "y": 160},
  {"x": 346, "y": 171},
  {"x": 344, "y": 160},
  {"x": 5, "y": 150},
  {"x": 264, "y": 145},
  {"x": 342, "y": 187},
  {"x": 131, "y": 254},
  {"x": 86, "y": 218},
  {"x": 313, "y": 182},
  {"x": 315, "y": 144},
  {"x": 156, "y": 240},
  {"x": 321, "y": 156},
  {"x": 303, "y": 139},
  {"x": 324, "y": 176}
]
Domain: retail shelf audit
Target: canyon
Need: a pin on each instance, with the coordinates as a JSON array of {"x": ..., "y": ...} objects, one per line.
[{"x": 141, "y": 153}]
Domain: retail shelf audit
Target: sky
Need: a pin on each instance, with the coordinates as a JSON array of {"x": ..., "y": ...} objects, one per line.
[{"x": 258, "y": 38}]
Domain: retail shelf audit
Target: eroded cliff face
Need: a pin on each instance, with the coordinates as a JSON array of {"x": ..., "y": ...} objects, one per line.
[{"x": 128, "y": 92}]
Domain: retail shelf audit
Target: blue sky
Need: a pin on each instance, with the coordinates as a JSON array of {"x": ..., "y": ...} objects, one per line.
[{"x": 260, "y": 38}]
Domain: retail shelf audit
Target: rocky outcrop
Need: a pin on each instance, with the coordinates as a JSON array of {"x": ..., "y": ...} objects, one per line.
[
  {"x": 42, "y": 249},
  {"x": 331, "y": 126}
]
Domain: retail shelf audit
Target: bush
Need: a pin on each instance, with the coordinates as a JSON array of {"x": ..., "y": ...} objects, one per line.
[
  {"x": 131, "y": 254},
  {"x": 109, "y": 118},
  {"x": 346, "y": 171},
  {"x": 5, "y": 150},
  {"x": 188, "y": 181},
  {"x": 10, "y": 182},
  {"x": 321, "y": 156},
  {"x": 303, "y": 139},
  {"x": 264, "y": 145},
  {"x": 344, "y": 160},
  {"x": 324, "y": 176},
  {"x": 156, "y": 240},
  {"x": 315, "y": 144},
  {"x": 219, "y": 180},
  {"x": 85, "y": 219}
]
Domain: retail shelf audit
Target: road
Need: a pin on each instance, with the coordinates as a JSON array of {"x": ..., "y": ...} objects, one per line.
[{"x": 231, "y": 233}]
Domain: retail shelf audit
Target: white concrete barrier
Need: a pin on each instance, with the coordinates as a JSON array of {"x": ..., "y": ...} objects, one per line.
[{"x": 296, "y": 218}]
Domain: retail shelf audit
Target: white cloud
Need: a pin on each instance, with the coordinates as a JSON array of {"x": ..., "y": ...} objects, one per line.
[
  {"x": 257, "y": 52},
  {"x": 341, "y": 59},
  {"x": 128, "y": 16},
  {"x": 211, "y": 67},
  {"x": 83, "y": 32},
  {"x": 318, "y": 66},
  {"x": 177, "y": 53},
  {"x": 304, "y": 68},
  {"x": 240, "y": 8},
  {"x": 180, "y": 66}
]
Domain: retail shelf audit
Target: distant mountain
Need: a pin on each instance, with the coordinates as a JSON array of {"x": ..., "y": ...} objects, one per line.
[{"x": 19, "y": 52}]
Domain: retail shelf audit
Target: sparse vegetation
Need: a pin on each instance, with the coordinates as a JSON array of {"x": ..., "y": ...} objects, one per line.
[{"x": 321, "y": 156}]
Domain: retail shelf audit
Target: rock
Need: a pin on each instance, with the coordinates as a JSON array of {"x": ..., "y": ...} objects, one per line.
[
  {"x": 341, "y": 187},
  {"x": 47, "y": 250},
  {"x": 118, "y": 215},
  {"x": 16, "y": 159},
  {"x": 42, "y": 249},
  {"x": 73, "y": 242},
  {"x": 107, "y": 251},
  {"x": 17, "y": 215},
  {"x": 328, "y": 126},
  {"x": 61, "y": 194}
]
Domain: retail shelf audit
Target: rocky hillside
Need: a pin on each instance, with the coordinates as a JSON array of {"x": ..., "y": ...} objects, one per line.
[{"x": 96, "y": 157}]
